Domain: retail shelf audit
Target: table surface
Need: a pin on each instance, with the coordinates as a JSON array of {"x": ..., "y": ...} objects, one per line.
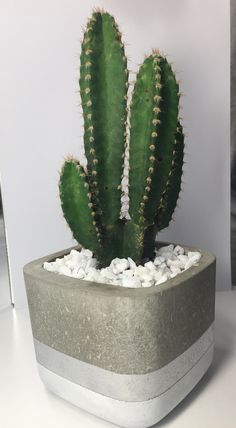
[{"x": 25, "y": 403}]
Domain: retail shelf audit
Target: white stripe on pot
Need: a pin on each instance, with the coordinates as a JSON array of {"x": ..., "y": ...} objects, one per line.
[
  {"x": 126, "y": 387},
  {"x": 127, "y": 414}
]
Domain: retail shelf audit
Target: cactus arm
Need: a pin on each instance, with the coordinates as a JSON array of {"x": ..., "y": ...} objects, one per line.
[
  {"x": 77, "y": 206},
  {"x": 165, "y": 144},
  {"x": 154, "y": 113},
  {"x": 103, "y": 87},
  {"x": 173, "y": 185},
  {"x": 143, "y": 121}
]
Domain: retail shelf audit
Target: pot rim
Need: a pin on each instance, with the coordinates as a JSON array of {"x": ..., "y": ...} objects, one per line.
[{"x": 36, "y": 269}]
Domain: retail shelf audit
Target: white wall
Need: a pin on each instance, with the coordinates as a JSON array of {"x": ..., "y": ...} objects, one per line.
[{"x": 41, "y": 123}]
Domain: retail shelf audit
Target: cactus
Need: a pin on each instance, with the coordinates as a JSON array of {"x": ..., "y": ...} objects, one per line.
[{"x": 91, "y": 196}]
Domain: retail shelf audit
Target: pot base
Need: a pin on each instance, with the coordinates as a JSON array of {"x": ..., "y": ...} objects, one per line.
[{"x": 127, "y": 414}]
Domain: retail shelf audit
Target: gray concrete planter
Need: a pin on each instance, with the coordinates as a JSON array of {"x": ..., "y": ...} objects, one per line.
[{"x": 126, "y": 355}]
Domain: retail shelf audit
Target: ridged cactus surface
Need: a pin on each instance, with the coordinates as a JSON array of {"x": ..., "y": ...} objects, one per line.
[{"x": 91, "y": 197}]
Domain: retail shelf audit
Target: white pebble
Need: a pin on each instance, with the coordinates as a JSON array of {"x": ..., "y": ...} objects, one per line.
[
  {"x": 194, "y": 255},
  {"x": 176, "y": 263},
  {"x": 158, "y": 260},
  {"x": 131, "y": 282},
  {"x": 175, "y": 269},
  {"x": 132, "y": 264},
  {"x": 92, "y": 274},
  {"x": 87, "y": 253},
  {"x": 147, "y": 283},
  {"x": 50, "y": 267},
  {"x": 178, "y": 250},
  {"x": 150, "y": 265},
  {"x": 74, "y": 252},
  {"x": 108, "y": 273},
  {"x": 164, "y": 250},
  {"x": 78, "y": 273},
  {"x": 119, "y": 265},
  {"x": 162, "y": 279},
  {"x": 129, "y": 273},
  {"x": 90, "y": 263},
  {"x": 157, "y": 275},
  {"x": 64, "y": 270},
  {"x": 183, "y": 260}
]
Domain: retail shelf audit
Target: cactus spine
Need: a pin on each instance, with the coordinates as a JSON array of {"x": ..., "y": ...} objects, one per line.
[{"x": 91, "y": 199}]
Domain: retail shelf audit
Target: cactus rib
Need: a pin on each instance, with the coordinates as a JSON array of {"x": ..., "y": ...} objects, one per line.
[{"x": 173, "y": 185}]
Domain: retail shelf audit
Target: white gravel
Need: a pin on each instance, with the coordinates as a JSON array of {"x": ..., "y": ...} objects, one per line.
[{"x": 169, "y": 261}]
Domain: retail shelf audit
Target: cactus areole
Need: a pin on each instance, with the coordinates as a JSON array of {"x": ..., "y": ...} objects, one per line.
[{"x": 148, "y": 129}]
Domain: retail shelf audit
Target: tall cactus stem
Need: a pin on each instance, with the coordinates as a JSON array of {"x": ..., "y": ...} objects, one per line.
[
  {"x": 134, "y": 149},
  {"x": 103, "y": 83}
]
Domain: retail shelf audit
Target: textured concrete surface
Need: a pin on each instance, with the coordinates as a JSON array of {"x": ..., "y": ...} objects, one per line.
[
  {"x": 131, "y": 331},
  {"x": 122, "y": 386}
]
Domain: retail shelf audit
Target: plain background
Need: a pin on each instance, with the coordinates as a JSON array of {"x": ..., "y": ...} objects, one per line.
[{"x": 41, "y": 121}]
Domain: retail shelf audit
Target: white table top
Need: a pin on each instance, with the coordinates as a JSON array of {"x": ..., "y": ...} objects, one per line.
[{"x": 25, "y": 403}]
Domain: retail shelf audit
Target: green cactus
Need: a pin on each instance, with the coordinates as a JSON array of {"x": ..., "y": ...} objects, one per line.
[{"x": 91, "y": 197}]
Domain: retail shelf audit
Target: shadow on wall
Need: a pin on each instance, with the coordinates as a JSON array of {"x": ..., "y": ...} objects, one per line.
[
  {"x": 0, "y": 204},
  {"x": 233, "y": 140}
]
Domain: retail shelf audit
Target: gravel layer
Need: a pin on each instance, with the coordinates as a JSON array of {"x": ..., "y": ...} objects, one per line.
[{"x": 169, "y": 261}]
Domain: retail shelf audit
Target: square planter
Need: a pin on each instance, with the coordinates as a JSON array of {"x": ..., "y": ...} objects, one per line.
[{"x": 126, "y": 355}]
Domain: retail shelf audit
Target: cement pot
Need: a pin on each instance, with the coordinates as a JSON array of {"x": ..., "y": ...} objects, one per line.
[{"x": 126, "y": 355}]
